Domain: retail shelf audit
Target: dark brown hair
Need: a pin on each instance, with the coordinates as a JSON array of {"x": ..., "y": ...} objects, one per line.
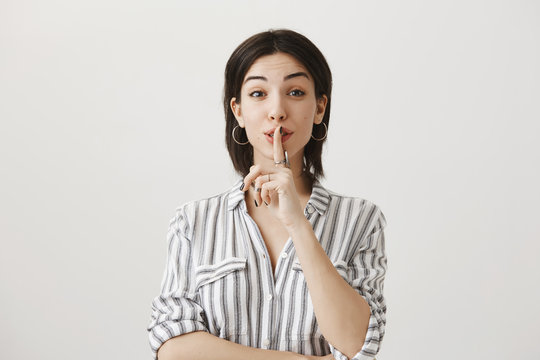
[{"x": 268, "y": 43}]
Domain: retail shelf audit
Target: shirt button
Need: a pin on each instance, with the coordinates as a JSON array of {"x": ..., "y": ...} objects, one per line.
[
  {"x": 266, "y": 342},
  {"x": 284, "y": 255},
  {"x": 269, "y": 297},
  {"x": 310, "y": 209}
]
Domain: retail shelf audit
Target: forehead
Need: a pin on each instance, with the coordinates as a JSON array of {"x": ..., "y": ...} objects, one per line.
[{"x": 276, "y": 64}]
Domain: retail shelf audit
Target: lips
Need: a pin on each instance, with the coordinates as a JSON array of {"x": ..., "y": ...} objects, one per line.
[
  {"x": 285, "y": 132},
  {"x": 269, "y": 135}
]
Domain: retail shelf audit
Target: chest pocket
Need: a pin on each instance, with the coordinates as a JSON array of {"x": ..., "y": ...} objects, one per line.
[{"x": 220, "y": 289}]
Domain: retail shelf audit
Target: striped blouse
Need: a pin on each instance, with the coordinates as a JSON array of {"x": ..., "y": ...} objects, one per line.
[{"x": 219, "y": 277}]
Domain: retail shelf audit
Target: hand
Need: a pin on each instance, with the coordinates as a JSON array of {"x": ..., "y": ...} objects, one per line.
[{"x": 275, "y": 187}]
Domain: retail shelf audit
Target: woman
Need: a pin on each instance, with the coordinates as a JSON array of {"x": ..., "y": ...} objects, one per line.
[{"x": 277, "y": 267}]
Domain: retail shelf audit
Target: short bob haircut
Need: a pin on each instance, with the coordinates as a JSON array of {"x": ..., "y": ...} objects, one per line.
[{"x": 268, "y": 43}]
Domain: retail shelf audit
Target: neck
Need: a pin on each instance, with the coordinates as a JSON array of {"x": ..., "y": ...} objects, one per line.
[{"x": 303, "y": 184}]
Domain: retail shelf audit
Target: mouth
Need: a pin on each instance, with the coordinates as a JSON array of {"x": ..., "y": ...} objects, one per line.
[
  {"x": 270, "y": 135},
  {"x": 271, "y": 132}
]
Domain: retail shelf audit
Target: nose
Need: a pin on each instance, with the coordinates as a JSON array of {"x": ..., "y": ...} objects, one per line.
[
  {"x": 276, "y": 116},
  {"x": 277, "y": 110}
]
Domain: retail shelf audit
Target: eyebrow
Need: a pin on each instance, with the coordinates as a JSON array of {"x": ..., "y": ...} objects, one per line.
[
  {"x": 288, "y": 77},
  {"x": 296, "y": 74}
]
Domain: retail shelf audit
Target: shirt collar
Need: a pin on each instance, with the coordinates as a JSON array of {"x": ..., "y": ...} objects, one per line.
[{"x": 319, "y": 199}]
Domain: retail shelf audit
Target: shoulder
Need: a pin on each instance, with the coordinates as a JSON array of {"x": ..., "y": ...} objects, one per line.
[
  {"x": 188, "y": 214},
  {"x": 358, "y": 221},
  {"x": 356, "y": 210}
]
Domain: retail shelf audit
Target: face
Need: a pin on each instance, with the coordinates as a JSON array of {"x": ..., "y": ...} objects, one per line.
[{"x": 278, "y": 90}]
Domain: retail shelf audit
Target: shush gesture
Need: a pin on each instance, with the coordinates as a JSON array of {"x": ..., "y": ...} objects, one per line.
[
  {"x": 276, "y": 99},
  {"x": 274, "y": 187}
]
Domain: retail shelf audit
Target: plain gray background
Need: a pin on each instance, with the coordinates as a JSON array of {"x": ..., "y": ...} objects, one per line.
[{"x": 111, "y": 117}]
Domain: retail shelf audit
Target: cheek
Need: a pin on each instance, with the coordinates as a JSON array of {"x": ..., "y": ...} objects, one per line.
[
  {"x": 308, "y": 110},
  {"x": 251, "y": 113},
  {"x": 252, "y": 128},
  {"x": 254, "y": 135},
  {"x": 253, "y": 119},
  {"x": 308, "y": 115}
]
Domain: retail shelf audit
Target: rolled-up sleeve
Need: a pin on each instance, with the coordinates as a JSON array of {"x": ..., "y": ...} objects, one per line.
[
  {"x": 175, "y": 310},
  {"x": 366, "y": 273}
]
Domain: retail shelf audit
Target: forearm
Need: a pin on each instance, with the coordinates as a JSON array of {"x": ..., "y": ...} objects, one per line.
[
  {"x": 342, "y": 314},
  {"x": 201, "y": 345}
]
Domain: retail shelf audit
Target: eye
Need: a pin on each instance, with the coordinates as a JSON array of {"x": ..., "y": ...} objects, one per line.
[
  {"x": 297, "y": 92},
  {"x": 256, "y": 93}
]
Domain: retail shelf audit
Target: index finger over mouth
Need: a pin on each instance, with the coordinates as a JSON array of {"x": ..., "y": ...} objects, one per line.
[{"x": 279, "y": 154}]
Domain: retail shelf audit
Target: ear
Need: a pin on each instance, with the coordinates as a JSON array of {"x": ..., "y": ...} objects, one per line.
[
  {"x": 321, "y": 107},
  {"x": 235, "y": 107}
]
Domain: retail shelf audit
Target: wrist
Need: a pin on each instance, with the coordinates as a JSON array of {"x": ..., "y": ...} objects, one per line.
[{"x": 300, "y": 226}]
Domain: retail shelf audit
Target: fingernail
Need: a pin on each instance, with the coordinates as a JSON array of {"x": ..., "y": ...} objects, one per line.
[
  {"x": 242, "y": 186},
  {"x": 257, "y": 205},
  {"x": 281, "y": 130}
]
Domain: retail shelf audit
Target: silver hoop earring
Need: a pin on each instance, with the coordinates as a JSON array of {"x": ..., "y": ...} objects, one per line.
[
  {"x": 234, "y": 138},
  {"x": 325, "y": 133}
]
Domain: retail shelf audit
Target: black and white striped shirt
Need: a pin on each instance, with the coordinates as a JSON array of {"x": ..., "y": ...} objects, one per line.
[{"x": 219, "y": 277}]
